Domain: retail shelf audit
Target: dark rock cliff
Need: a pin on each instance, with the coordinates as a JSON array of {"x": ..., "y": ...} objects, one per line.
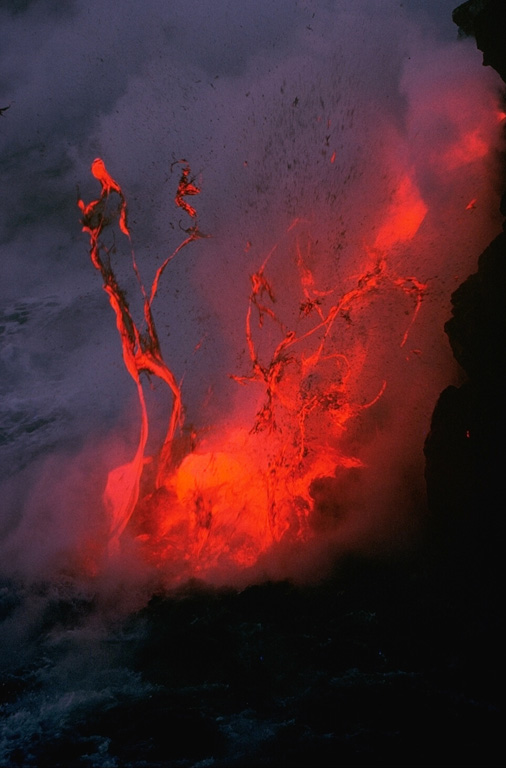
[
  {"x": 465, "y": 447},
  {"x": 485, "y": 21}
]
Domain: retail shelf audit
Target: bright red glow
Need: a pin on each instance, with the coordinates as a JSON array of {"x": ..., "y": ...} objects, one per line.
[
  {"x": 234, "y": 495},
  {"x": 407, "y": 211},
  {"x": 472, "y": 146},
  {"x": 141, "y": 349}
]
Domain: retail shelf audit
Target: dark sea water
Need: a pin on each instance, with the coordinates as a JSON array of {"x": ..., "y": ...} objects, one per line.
[{"x": 380, "y": 665}]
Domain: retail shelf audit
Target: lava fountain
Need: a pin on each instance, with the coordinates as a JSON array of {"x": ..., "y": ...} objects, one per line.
[
  {"x": 335, "y": 210},
  {"x": 271, "y": 480},
  {"x": 281, "y": 324}
]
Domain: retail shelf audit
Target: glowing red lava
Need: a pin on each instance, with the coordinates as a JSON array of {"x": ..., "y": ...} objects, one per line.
[{"x": 257, "y": 485}]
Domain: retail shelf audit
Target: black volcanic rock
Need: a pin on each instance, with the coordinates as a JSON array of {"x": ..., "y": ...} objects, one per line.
[
  {"x": 477, "y": 329},
  {"x": 485, "y": 20},
  {"x": 465, "y": 447}
]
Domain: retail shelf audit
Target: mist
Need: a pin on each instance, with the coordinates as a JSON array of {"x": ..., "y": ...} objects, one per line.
[{"x": 314, "y": 113}]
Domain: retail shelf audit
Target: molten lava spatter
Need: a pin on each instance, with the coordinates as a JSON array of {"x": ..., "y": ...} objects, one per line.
[
  {"x": 141, "y": 349},
  {"x": 254, "y": 486}
]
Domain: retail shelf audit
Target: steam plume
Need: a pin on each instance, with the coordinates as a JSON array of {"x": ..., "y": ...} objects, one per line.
[{"x": 374, "y": 129}]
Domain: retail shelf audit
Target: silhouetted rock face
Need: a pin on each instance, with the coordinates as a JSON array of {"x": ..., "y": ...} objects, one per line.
[
  {"x": 485, "y": 20},
  {"x": 477, "y": 329},
  {"x": 465, "y": 447}
]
